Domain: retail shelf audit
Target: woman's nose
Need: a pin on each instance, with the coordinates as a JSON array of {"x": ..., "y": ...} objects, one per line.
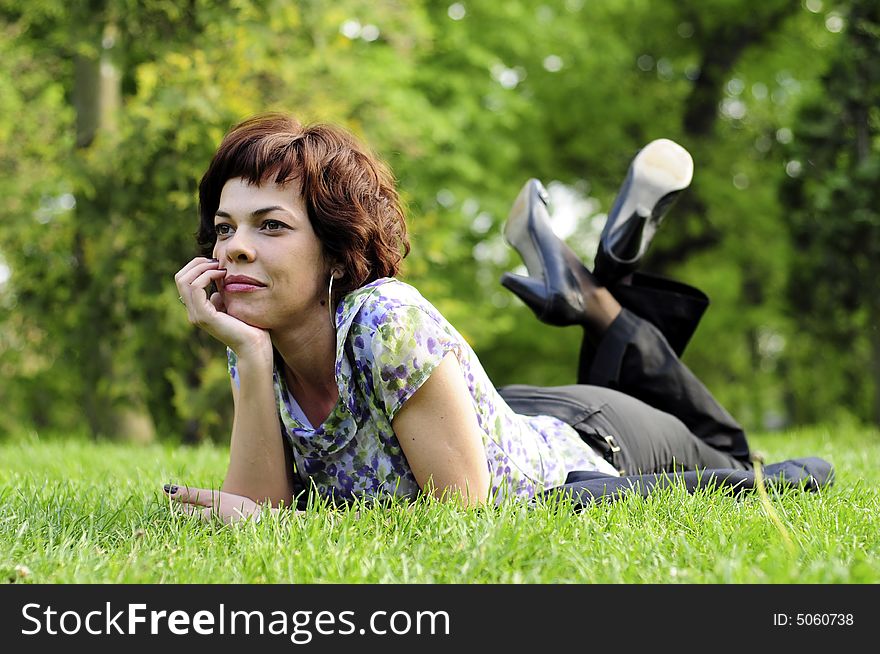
[{"x": 237, "y": 247}]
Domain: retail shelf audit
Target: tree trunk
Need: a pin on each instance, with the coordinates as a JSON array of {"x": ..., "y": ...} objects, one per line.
[
  {"x": 97, "y": 99},
  {"x": 97, "y": 91}
]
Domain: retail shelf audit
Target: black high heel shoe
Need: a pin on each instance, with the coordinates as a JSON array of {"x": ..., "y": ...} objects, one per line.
[
  {"x": 553, "y": 289},
  {"x": 657, "y": 174}
]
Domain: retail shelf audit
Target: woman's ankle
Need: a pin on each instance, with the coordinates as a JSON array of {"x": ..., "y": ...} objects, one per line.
[{"x": 600, "y": 310}]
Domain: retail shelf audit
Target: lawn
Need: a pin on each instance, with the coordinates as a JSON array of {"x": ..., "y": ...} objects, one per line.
[{"x": 74, "y": 511}]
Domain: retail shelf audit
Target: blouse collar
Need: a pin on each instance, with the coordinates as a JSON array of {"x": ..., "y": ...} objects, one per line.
[{"x": 345, "y": 416}]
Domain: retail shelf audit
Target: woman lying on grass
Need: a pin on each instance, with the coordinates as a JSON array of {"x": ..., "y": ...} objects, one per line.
[{"x": 348, "y": 383}]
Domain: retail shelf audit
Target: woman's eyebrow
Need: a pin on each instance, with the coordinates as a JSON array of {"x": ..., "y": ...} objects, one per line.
[{"x": 256, "y": 214}]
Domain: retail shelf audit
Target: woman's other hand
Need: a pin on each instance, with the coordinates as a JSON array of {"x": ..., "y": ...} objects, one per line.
[
  {"x": 208, "y": 313},
  {"x": 212, "y": 504}
]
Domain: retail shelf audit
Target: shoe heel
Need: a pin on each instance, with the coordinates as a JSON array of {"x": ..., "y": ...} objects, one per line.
[
  {"x": 657, "y": 175},
  {"x": 663, "y": 166},
  {"x": 531, "y": 291}
]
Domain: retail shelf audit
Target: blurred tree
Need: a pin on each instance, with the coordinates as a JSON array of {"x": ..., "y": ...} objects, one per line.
[
  {"x": 35, "y": 126},
  {"x": 88, "y": 47},
  {"x": 833, "y": 195}
]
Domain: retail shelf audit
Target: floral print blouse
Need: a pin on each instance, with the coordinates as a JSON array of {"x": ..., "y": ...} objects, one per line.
[{"x": 389, "y": 341}]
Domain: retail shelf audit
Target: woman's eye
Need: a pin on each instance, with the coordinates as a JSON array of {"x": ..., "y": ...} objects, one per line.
[
  {"x": 273, "y": 225},
  {"x": 223, "y": 229}
]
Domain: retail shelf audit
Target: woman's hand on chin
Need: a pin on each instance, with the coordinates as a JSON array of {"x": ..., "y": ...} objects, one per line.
[
  {"x": 209, "y": 313},
  {"x": 209, "y": 505}
]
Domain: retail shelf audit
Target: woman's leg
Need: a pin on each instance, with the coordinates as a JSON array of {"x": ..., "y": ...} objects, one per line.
[
  {"x": 635, "y": 393},
  {"x": 633, "y": 357},
  {"x": 633, "y": 436},
  {"x": 634, "y": 389}
]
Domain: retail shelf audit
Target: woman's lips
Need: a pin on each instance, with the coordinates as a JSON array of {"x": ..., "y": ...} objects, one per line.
[
  {"x": 242, "y": 284},
  {"x": 241, "y": 288}
]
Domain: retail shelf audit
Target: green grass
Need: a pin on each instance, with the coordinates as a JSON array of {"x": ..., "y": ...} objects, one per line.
[{"x": 79, "y": 512}]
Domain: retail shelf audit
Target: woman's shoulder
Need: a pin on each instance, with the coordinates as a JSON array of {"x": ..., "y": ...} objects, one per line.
[
  {"x": 390, "y": 290},
  {"x": 384, "y": 298},
  {"x": 395, "y": 340},
  {"x": 391, "y": 315}
]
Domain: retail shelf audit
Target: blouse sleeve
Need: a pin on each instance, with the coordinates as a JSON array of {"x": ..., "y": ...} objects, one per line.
[{"x": 401, "y": 351}]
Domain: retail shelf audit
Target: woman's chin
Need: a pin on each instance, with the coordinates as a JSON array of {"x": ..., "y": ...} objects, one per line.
[{"x": 247, "y": 317}]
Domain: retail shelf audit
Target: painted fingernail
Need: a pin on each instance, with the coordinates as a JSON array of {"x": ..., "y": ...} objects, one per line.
[{"x": 170, "y": 489}]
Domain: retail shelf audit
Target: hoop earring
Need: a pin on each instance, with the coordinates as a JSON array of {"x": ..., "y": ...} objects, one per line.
[{"x": 330, "y": 302}]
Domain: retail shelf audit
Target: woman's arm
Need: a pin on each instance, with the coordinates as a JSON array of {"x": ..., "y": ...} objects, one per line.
[
  {"x": 259, "y": 465},
  {"x": 438, "y": 432}
]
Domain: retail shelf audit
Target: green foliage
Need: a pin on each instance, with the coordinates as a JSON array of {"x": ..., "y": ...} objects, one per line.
[
  {"x": 834, "y": 194},
  {"x": 465, "y": 108},
  {"x": 34, "y": 142}
]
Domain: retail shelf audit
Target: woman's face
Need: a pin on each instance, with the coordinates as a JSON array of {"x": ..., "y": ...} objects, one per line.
[{"x": 275, "y": 269}]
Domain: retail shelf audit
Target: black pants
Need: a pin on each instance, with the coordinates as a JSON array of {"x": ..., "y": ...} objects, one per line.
[{"x": 636, "y": 402}]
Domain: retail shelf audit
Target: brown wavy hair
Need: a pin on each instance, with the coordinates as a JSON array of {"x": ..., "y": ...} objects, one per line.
[{"x": 349, "y": 192}]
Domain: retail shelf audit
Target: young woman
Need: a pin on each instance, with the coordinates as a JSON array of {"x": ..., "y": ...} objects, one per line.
[{"x": 348, "y": 383}]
